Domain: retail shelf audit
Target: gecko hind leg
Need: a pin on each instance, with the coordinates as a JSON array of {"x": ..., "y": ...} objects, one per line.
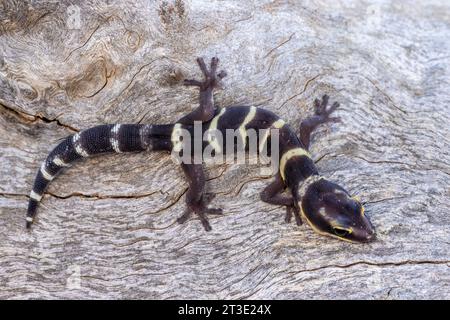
[{"x": 196, "y": 200}]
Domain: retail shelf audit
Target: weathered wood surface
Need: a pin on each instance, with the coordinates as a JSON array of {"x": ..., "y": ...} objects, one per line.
[{"x": 106, "y": 228}]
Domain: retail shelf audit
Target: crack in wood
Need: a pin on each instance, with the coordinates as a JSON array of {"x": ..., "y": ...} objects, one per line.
[
  {"x": 31, "y": 118},
  {"x": 307, "y": 83},
  {"x": 280, "y": 45},
  {"x": 374, "y": 264}
]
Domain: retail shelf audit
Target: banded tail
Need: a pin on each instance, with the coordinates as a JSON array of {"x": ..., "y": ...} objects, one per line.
[{"x": 101, "y": 139}]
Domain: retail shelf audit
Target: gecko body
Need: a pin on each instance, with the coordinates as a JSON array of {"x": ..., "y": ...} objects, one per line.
[{"x": 328, "y": 208}]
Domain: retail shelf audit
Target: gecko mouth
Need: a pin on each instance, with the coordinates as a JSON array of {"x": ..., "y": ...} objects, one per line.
[
  {"x": 371, "y": 237},
  {"x": 368, "y": 236}
]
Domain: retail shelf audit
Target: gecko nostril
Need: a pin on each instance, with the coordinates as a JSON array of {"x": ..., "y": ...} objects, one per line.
[{"x": 371, "y": 236}]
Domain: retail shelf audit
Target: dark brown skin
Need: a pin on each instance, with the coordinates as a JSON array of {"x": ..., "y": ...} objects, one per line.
[
  {"x": 327, "y": 207},
  {"x": 273, "y": 193},
  {"x": 205, "y": 110},
  {"x": 195, "y": 200}
]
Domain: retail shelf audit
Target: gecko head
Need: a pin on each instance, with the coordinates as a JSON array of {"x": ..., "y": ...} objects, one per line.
[{"x": 330, "y": 210}]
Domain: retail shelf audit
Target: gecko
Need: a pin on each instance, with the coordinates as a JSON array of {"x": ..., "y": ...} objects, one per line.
[{"x": 297, "y": 185}]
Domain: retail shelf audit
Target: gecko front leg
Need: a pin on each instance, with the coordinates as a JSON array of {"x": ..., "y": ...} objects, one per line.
[
  {"x": 195, "y": 196},
  {"x": 272, "y": 194},
  {"x": 321, "y": 115},
  {"x": 206, "y": 110}
]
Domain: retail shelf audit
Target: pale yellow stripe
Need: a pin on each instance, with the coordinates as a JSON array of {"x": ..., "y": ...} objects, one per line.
[
  {"x": 113, "y": 140},
  {"x": 77, "y": 146},
  {"x": 115, "y": 145},
  {"x": 59, "y": 162},
  {"x": 213, "y": 126},
  {"x": 116, "y": 128},
  {"x": 35, "y": 196},
  {"x": 175, "y": 138},
  {"x": 288, "y": 155},
  {"x": 81, "y": 151},
  {"x": 276, "y": 125},
  {"x": 76, "y": 137},
  {"x": 45, "y": 173},
  {"x": 249, "y": 117}
]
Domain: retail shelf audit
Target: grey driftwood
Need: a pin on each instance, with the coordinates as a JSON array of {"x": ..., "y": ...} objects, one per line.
[{"x": 64, "y": 68}]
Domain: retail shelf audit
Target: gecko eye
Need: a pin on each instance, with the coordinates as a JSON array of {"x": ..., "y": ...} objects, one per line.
[{"x": 341, "y": 232}]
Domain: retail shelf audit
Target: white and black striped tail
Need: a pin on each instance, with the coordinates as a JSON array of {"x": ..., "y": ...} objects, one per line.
[{"x": 101, "y": 139}]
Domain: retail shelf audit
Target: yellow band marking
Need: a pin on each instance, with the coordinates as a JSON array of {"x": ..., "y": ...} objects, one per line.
[
  {"x": 114, "y": 140},
  {"x": 59, "y": 162},
  {"x": 175, "y": 138},
  {"x": 77, "y": 145},
  {"x": 35, "y": 196},
  {"x": 276, "y": 125},
  {"x": 210, "y": 135},
  {"x": 357, "y": 199},
  {"x": 249, "y": 117},
  {"x": 45, "y": 173},
  {"x": 290, "y": 154}
]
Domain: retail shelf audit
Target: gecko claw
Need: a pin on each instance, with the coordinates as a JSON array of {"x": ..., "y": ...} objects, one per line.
[
  {"x": 320, "y": 108},
  {"x": 182, "y": 219},
  {"x": 201, "y": 211},
  {"x": 211, "y": 77}
]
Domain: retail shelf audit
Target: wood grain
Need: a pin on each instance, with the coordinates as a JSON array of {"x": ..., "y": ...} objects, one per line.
[{"x": 107, "y": 227}]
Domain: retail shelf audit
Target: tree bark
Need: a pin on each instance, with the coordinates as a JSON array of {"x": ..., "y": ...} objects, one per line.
[{"x": 107, "y": 227}]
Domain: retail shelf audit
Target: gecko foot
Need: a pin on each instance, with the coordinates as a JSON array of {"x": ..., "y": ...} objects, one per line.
[
  {"x": 292, "y": 210},
  {"x": 321, "y": 110},
  {"x": 201, "y": 211},
  {"x": 211, "y": 77},
  {"x": 321, "y": 115}
]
